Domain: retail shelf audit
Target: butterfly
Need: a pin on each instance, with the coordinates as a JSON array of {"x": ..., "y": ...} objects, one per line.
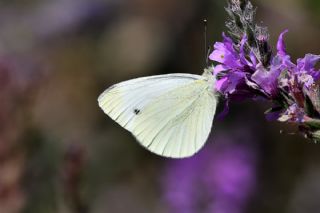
[{"x": 170, "y": 115}]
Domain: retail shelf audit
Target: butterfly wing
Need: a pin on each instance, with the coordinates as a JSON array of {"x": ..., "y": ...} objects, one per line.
[{"x": 171, "y": 115}]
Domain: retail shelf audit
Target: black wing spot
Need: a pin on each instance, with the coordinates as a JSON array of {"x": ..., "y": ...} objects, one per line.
[{"x": 136, "y": 111}]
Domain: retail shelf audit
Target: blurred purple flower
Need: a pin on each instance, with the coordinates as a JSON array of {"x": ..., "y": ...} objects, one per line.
[
  {"x": 219, "y": 179},
  {"x": 72, "y": 173},
  {"x": 15, "y": 91},
  {"x": 53, "y": 18}
]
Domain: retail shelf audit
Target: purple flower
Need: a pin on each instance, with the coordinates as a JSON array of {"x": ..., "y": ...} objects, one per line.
[
  {"x": 233, "y": 68},
  {"x": 245, "y": 67},
  {"x": 299, "y": 82},
  {"x": 218, "y": 179},
  {"x": 240, "y": 76},
  {"x": 245, "y": 70},
  {"x": 293, "y": 114},
  {"x": 304, "y": 71},
  {"x": 307, "y": 64}
]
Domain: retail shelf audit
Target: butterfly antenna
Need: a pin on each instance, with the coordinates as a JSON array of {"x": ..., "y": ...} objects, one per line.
[
  {"x": 206, "y": 47},
  {"x": 205, "y": 21},
  {"x": 207, "y": 57}
]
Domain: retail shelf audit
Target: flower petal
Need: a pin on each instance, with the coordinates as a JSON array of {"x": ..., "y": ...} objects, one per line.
[
  {"x": 219, "y": 68},
  {"x": 308, "y": 62},
  {"x": 281, "y": 46},
  {"x": 267, "y": 79}
]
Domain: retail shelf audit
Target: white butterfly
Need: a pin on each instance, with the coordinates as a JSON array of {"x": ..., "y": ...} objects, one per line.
[{"x": 170, "y": 115}]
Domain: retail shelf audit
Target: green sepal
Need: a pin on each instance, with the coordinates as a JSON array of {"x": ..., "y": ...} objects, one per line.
[
  {"x": 274, "y": 109},
  {"x": 316, "y": 136},
  {"x": 251, "y": 37},
  {"x": 309, "y": 108},
  {"x": 314, "y": 124}
]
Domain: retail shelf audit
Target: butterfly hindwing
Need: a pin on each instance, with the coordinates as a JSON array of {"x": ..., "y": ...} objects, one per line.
[{"x": 171, "y": 115}]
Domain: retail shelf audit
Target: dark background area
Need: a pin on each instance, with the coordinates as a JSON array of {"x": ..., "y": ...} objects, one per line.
[{"x": 60, "y": 153}]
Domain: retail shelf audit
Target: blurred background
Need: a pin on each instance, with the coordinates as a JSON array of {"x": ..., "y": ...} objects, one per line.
[{"x": 60, "y": 153}]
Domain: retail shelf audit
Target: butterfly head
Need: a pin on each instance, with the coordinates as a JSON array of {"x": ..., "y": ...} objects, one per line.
[
  {"x": 208, "y": 72},
  {"x": 208, "y": 75}
]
